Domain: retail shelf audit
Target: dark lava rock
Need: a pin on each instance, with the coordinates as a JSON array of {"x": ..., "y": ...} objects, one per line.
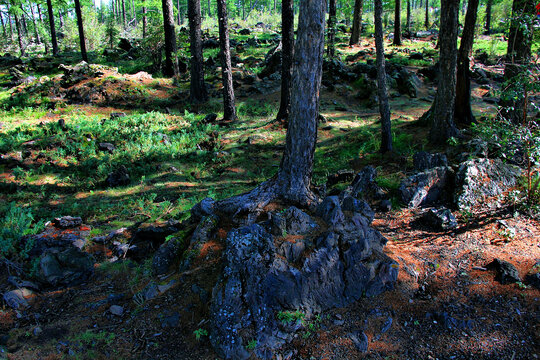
[
  {"x": 340, "y": 176},
  {"x": 244, "y": 32},
  {"x": 272, "y": 62},
  {"x": 330, "y": 211},
  {"x": 479, "y": 180},
  {"x": 291, "y": 221},
  {"x": 364, "y": 182},
  {"x": 407, "y": 83},
  {"x": 439, "y": 219},
  {"x": 448, "y": 321},
  {"x": 125, "y": 44},
  {"x": 423, "y": 160},
  {"x": 430, "y": 72},
  {"x": 116, "y": 115},
  {"x": 256, "y": 283},
  {"x": 106, "y": 147},
  {"x": 416, "y": 56},
  {"x": 118, "y": 177},
  {"x": 66, "y": 222},
  {"x": 17, "y": 299},
  {"x": 204, "y": 208},
  {"x": 352, "y": 204},
  {"x": 169, "y": 252},
  {"x": 210, "y": 118},
  {"x": 426, "y": 188},
  {"x": 211, "y": 43},
  {"x": 67, "y": 267},
  {"x": 360, "y": 341},
  {"x": 506, "y": 272}
]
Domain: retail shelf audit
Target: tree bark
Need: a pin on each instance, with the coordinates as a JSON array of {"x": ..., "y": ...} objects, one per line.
[
  {"x": 36, "y": 33},
  {"x": 19, "y": 34},
  {"x": 287, "y": 51},
  {"x": 4, "y": 32},
  {"x": 463, "y": 112},
  {"x": 144, "y": 21},
  {"x": 178, "y": 13},
  {"x": 426, "y": 22},
  {"x": 198, "y": 92},
  {"x": 52, "y": 28},
  {"x": 293, "y": 180},
  {"x": 487, "y": 26},
  {"x": 357, "y": 22},
  {"x": 171, "y": 59},
  {"x": 518, "y": 56},
  {"x": 60, "y": 19},
  {"x": 384, "y": 110},
  {"x": 397, "y": 23},
  {"x": 330, "y": 48},
  {"x": 408, "y": 24},
  {"x": 209, "y": 10},
  {"x": 81, "y": 30},
  {"x": 229, "y": 111},
  {"x": 441, "y": 114},
  {"x": 9, "y": 22},
  {"x": 124, "y": 13}
]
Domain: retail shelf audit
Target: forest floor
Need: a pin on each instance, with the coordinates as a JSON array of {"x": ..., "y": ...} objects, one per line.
[{"x": 445, "y": 305}]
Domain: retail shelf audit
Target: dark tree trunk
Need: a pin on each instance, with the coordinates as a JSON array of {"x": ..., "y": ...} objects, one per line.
[
  {"x": 4, "y": 32},
  {"x": 81, "y": 30},
  {"x": 171, "y": 60},
  {"x": 408, "y": 24},
  {"x": 518, "y": 56},
  {"x": 229, "y": 111},
  {"x": 52, "y": 28},
  {"x": 144, "y": 21},
  {"x": 357, "y": 22},
  {"x": 23, "y": 22},
  {"x": 19, "y": 34},
  {"x": 293, "y": 180},
  {"x": 386, "y": 129},
  {"x": 287, "y": 51},
  {"x": 330, "y": 48},
  {"x": 9, "y": 22},
  {"x": 124, "y": 13},
  {"x": 198, "y": 92},
  {"x": 397, "y": 23},
  {"x": 426, "y": 22},
  {"x": 178, "y": 13},
  {"x": 463, "y": 112},
  {"x": 133, "y": 15},
  {"x": 209, "y": 10},
  {"x": 36, "y": 32},
  {"x": 441, "y": 113},
  {"x": 60, "y": 19},
  {"x": 487, "y": 26}
]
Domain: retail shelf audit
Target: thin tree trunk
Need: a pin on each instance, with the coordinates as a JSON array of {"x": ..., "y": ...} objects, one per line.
[
  {"x": 487, "y": 27},
  {"x": 81, "y": 30},
  {"x": 357, "y": 22},
  {"x": 4, "y": 32},
  {"x": 124, "y": 13},
  {"x": 209, "y": 10},
  {"x": 133, "y": 15},
  {"x": 293, "y": 180},
  {"x": 518, "y": 56},
  {"x": 19, "y": 34},
  {"x": 23, "y": 22},
  {"x": 60, "y": 19},
  {"x": 171, "y": 59},
  {"x": 330, "y": 48},
  {"x": 426, "y": 22},
  {"x": 229, "y": 111},
  {"x": 462, "y": 110},
  {"x": 36, "y": 33},
  {"x": 9, "y": 22},
  {"x": 143, "y": 20},
  {"x": 198, "y": 93},
  {"x": 408, "y": 25},
  {"x": 178, "y": 7},
  {"x": 384, "y": 110},
  {"x": 52, "y": 28},
  {"x": 397, "y": 23},
  {"x": 441, "y": 114},
  {"x": 287, "y": 52}
]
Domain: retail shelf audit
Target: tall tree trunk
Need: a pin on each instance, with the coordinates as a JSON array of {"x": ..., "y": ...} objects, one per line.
[
  {"x": 287, "y": 51},
  {"x": 133, "y": 15},
  {"x": 4, "y": 31},
  {"x": 23, "y": 22},
  {"x": 293, "y": 180},
  {"x": 143, "y": 20},
  {"x": 52, "y": 28},
  {"x": 179, "y": 16},
  {"x": 36, "y": 32},
  {"x": 124, "y": 13},
  {"x": 19, "y": 34},
  {"x": 441, "y": 113},
  {"x": 487, "y": 26},
  {"x": 384, "y": 110},
  {"x": 462, "y": 110},
  {"x": 9, "y": 22},
  {"x": 397, "y": 23},
  {"x": 171, "y": 59},
  {"x": 198, "y": 93},
  {"x": 209, "y": 10},
  {"x": 229, "y": 111},
  {"x": 408, "y": 24},
  {"x": 357, "y": 22},
  {"x": 60, "y": 19},
  {"x": 81, "y": 30},
  {"x": 330, "y": 48},
  {"x": 426, "y": 22},
  {"x": 518, "y": 56}
]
